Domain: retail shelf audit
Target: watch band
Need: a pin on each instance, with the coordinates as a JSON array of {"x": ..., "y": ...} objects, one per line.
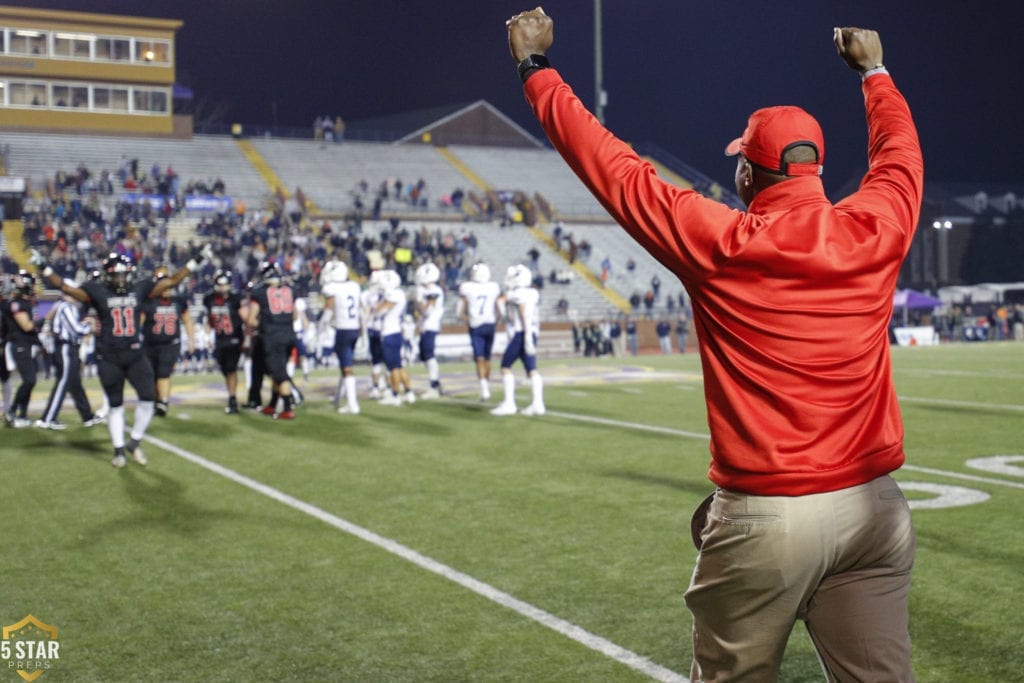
[{"x": 530, "y": 63}]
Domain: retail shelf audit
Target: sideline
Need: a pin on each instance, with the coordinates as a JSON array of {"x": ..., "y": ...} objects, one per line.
[
  {"x": 706, "y": 437},
  {"x": 580, "y": 635}
]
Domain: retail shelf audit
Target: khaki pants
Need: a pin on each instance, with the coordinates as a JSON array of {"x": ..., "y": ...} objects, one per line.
[{"x": 840, "y": 561}]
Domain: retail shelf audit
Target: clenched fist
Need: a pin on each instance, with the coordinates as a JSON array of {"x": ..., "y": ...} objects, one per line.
[
  {"x": 530, "y": 33},
  {"x": 860, "y": 48}
]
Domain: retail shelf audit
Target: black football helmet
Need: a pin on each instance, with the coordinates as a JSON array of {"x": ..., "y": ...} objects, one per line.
[
  {"x": 118, "y": 273},
  {"x": 270, "y": 273},
  {"x": 223, "y": 281},
  {"x": 25, "y": 284}
]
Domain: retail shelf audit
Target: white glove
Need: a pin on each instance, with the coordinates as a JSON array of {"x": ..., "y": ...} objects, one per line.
[
  {"x": 47, "y": 271},
  {"x": 192, "y": 265},
  {"x": 35, "y": 258}
]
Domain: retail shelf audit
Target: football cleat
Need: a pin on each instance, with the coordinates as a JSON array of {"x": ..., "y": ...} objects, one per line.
[
  {"x": 137, "y": 454},
  {"x": 252, "y": 405},
  {"x": 503, "y": 409},
  {"x": 268, "y": 410},
  {"x": 375, "y": 393},
  {"x": 231, "y": 408},
  {"x": 96, "y": 419},
  {"x": 410, "y": 396},
  {"x": 391, "y": 400},
  {"x": 56, "y": 426},
  {"x": 161, "y": 408},
  {"x": 534, "y": 409},
  {"x": 119, "y": 460},
  {"x": 348, "y": 410},
  {"x": 430, "y": 393},
  {"x": 285, "y": 415},
  {"x": 19, "y": 422}
]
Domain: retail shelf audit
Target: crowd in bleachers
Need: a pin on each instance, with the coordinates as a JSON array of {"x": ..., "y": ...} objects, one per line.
[{"x": 75, "y": 231}]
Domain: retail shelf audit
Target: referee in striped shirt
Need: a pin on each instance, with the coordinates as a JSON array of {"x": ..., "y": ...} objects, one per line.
[{"x": 68, "y": 330}]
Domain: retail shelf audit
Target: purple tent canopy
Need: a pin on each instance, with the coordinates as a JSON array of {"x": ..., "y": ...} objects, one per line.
[{"x": 908, "y": 298}]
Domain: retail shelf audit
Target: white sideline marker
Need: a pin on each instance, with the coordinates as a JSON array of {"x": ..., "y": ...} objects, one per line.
[{"x": 580, "y": 635}]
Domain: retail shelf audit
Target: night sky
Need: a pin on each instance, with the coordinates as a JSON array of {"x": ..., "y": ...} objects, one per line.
[{"x": 681, "y": 75}]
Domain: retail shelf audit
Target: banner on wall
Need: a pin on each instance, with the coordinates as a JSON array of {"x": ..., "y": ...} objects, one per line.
[{"x": 916, "y": 336}]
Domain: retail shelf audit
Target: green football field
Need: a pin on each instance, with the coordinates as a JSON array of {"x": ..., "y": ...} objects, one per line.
[{"x": 434, "y": 542}]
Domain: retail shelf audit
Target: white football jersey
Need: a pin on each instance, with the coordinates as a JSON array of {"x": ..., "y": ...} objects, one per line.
[
  {"x": 347, "y": 302},
  {"x": 391, "y": 322},
  {"x": 479, "y": 299},
  {"x": 523, "y": 305},
  {"x": 299, "y": 321},
  {"x": 370, "y": 298},
  {"x": 430, "y": 302}
]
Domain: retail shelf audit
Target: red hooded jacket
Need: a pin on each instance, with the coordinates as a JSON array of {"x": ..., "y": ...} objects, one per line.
[{"x": 791, "y": 299}]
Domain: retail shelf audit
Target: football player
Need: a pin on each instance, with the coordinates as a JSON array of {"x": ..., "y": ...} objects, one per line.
[
  {"x": 161, "y": 338},
  {"x": 523, "y": 324},
  {"x": 20, "y": 337},
  {"x": 369, "y": 301},
  {"x": 224, "y": 320},
  {"x": 429, "y": 297},
  {"x": 271, "y": 311},
  {"x": 5, "y": 374},
  {"x": 343, "y": 308},
  {"x": 118, "y": 300},
  {"x": 478, "y": 298},
  {"x": 391, "y": 309}
]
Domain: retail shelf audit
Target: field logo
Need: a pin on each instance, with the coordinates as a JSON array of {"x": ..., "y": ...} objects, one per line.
[{"x": 30, "y": 647}]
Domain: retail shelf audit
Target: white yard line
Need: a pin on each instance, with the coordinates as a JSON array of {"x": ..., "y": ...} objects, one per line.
[
  {"x": 1016, "y": 407},
  {"x": 570, "y": 630},
  {"x": 706, "y": 437}
]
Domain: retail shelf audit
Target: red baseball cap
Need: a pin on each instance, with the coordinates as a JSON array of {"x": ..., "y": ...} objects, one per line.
[{"x": 773, "y": 131}]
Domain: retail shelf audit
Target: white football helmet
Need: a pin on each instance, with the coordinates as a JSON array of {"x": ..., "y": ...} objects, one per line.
[
  {"x": 518, "y": 276},
  {"x": 480, "y": 272},
  {"x": 427, "y": 274},
  {"x": 388, "y": 280},
  {"x": 334, "y": 271}
]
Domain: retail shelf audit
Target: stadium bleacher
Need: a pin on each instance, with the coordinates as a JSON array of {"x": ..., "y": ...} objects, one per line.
[{"x": 329, "y": 173}]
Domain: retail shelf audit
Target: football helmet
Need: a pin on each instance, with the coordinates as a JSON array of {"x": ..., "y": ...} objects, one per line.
[
  {"x": 222, "y": 281},
  {"x": 480, "y": 272},
  {"x": 427, "y": 274},
  {"x": 389, "y": 280},
  {"x": 334, "y": 272},
  {"x": 518, "y": 276},
  {"x": 25, "y": 284},
  {"x": 118, "y": 273},
  {"x": 270, "y": 273}
]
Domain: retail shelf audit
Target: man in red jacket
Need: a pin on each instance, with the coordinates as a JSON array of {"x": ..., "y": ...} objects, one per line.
[{"x": 791, "y": 302}]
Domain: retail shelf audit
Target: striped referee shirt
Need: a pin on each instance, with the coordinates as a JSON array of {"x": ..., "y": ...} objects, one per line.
[{"x": 67, "y": 323}]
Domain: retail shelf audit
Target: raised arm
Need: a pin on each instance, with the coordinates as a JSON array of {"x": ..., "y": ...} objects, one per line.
[
  {"x": 57, "y": 282},
  {"x": 174, "y": 280},
  {"x": 895, "y": 178},
  {"x": 678, "y": 226}
]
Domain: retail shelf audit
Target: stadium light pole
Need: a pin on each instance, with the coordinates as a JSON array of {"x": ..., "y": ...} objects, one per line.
[{"x": 599, "y": 93}]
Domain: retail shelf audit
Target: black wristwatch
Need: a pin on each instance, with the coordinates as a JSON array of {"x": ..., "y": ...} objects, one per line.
[{"x": 530, "y": 63}]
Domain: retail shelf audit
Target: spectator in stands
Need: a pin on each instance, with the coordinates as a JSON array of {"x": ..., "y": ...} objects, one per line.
[{"x": 634, "y": 301}]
